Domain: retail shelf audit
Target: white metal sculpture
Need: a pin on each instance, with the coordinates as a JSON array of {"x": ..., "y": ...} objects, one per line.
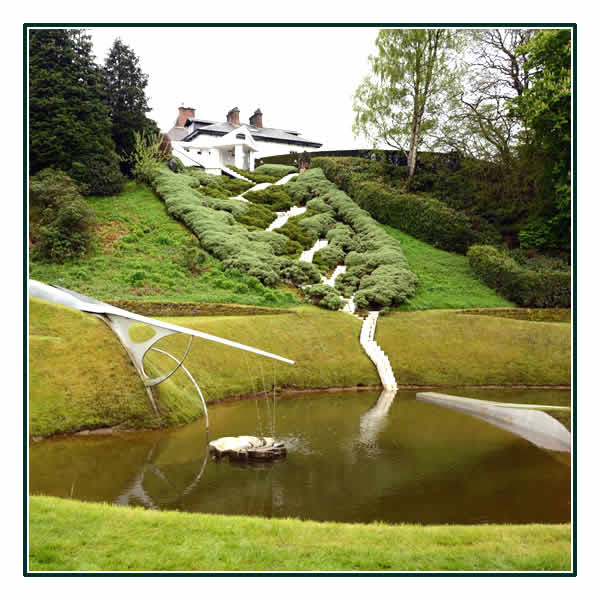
[{"x": 120, "y": 321}]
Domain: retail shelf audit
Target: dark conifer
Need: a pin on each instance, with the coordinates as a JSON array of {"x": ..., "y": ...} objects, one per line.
[
  {"x": 125, "y": 86},
  {"x": 69, "y": 127}
]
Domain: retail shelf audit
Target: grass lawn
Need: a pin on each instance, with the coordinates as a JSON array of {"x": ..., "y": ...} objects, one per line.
[
  {"x": 449, "y": 348},
  {"x": 90, "y": 382},
  {"x": 76, "y": 536},
  {"x": 139, "y": 253},
  {"x": 445, "y": 279}
]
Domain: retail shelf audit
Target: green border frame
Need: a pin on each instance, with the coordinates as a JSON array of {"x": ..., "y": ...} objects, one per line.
[{"x": 572, "y": 573}]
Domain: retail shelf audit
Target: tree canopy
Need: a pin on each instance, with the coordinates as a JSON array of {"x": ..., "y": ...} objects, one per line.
[
  {"x": 69, "y": 126},
  {"x": 399, "y": 102},
  {"x": 125, "y": 87}
]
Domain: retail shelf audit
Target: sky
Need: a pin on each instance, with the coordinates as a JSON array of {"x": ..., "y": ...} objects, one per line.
[{"x": 302, "y": 78}]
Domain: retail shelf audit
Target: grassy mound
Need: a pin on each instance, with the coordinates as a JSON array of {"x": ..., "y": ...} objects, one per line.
[
  {"x": 90, "y": 382},
  {"x": 450, "y": 348},
  {"x": 446, "y": 279},
  {"x": 78, "y": 536}
]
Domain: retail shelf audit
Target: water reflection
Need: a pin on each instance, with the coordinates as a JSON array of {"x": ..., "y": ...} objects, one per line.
[
  {"x": 374, "y": 420},
  {"x": 353, "y": 457}
]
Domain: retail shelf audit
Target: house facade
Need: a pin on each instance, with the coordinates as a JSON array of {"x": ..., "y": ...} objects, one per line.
[{"x": 211, "y": 145}]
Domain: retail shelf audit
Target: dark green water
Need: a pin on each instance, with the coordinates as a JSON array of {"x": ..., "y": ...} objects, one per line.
[{"x": 419, "y": 463}]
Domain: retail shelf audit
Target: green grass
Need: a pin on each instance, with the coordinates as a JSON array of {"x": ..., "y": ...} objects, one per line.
[
  {"x": 448, "y": 348},
  {"x": 76, "y": 536},
  {"x": 89, "y": 381},
  {"x": 445, "y": 279},
  {"x": 139, "y": 253}
]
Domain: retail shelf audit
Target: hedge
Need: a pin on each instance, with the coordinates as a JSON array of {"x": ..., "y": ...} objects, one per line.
[
  {"x": 517, "y": 283},
  {"x": 275, "y": 170},
  {"x": 257, "y": 253},
  {"x": 419, "y": 215}
]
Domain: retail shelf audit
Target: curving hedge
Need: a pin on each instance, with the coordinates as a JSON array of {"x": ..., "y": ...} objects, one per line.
[
  {"x": 517, "y": 283},
  {"x": 419, "y": 215}
]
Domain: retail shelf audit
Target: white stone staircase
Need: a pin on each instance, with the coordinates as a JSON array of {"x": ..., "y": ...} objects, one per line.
[{"x": 375, "y": 353}]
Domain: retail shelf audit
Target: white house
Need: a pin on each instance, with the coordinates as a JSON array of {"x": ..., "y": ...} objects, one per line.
[{"x": 212, "y": 145}]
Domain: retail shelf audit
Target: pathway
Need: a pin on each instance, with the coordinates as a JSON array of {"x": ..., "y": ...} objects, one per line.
[
  {"x": 367, "y": 333},
  {"x": 375, "y": 353},
  {"x": 308, "y": 255}
]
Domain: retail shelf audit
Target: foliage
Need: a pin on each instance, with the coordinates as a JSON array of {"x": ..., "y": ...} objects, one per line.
[
  {"x": 420, "y": 215},
  {"x": 254, "y": 176},
  {"x": 274, "y": 170},
  {"x": 369, "y": 248},
  {"x": 60, "y": 218},
  {"x": 545, "y": 109},
  {"x": 276, "y": 197},
  {"x": 217, "y": 230},
  {"x": 480, "y": 124},
  {"x": 142, "y": 253},
  {"x": 146, "y": 155},
  {"x": 445, "y": 279},
  {"x": 411, "y": 76},
  {"x": 69, "y": 125},
  {"x": 324, "y": 295},
  {"x": 517, "y": 283},
  {"x": 125, "y": 85}
]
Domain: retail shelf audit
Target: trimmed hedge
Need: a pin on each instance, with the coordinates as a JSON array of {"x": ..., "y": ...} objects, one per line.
[
  {"x": 420, "y": 215},
  {"x": 257, "y": 253},
  {"x": 274, "y": 170},
  {"x": 523, "y": 286},
  {"x": 377, "y": 270}
]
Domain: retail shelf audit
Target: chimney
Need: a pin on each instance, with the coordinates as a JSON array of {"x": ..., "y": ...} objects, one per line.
[
  {"x": 256, "y": 119},
  {"x": 184, "y": 115},
  {"x": 233, "y": 116}
]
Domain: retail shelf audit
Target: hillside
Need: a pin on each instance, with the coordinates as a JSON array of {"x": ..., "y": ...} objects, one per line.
[{"x": 142, "y": 253}]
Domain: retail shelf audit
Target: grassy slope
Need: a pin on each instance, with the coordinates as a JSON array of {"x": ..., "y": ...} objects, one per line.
[
  {"x": 137, "y": 256},
  {"x": 445, "y": 278},
  {"x": 450, "y": 348},
  {"x": 90, "y": 382},
  {"x": 76, "y": 536}
]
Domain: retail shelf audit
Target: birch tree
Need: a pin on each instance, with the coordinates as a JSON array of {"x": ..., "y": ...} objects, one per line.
[{"x": 399, "y": 102}]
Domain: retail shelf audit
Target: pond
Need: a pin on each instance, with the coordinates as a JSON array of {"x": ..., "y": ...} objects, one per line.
[{"x": 419, "y": 463}]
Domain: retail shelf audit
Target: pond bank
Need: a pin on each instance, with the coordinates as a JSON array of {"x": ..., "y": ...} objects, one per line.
[{"x": 91, "y": 383}]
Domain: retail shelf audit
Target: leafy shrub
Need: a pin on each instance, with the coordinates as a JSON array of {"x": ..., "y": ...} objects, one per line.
[
  {"x": 276, "y": 197},
  {"x": 325, "y": 296},
  {"x": 254, "y": 176},
  {"x": 60, "y": 218},
  {"x": 421, "y": 216},
  {"x": 273, "y": 170},
  {"x": 300, "y": 272},
  {"x": 517, "y": 283}
]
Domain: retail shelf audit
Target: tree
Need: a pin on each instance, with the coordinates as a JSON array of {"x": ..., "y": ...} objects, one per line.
[
  {"x": 545, "y": 109},
  {"x": 125, "y": 86},
  {"x": 495, "y": 70},
  {"x": 69, "y": 127},
  {"x": 399, "y": 102}
]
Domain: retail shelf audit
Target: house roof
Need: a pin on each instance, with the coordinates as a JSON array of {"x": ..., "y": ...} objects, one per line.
[{"x": 268, "y": 134}]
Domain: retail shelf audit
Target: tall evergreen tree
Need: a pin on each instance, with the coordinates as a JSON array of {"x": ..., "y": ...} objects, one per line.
[
  {"x": 69, "y": 128},
  {"x": 125, "y": 86}
]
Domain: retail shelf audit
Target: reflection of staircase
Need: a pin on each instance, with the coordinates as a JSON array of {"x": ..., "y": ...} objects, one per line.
[
  {"x": 373, "y": 421},
  {"x": 375, "y": 353}
]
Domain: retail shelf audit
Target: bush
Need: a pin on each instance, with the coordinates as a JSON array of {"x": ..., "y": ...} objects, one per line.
[
  {"x": 60, "y": 218},
  {"x": 276, "y": 197},
  {"x": 325, "y": 296},
  {"x": 517, "y": 283},
  {"x": 254, "y": 176},
  {"x": 421, "y": 216},
  {"x": 273, "y": 170}
]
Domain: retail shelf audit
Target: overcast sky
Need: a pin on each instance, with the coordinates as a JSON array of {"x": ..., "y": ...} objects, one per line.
[{"x": 301, "y": 78}]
